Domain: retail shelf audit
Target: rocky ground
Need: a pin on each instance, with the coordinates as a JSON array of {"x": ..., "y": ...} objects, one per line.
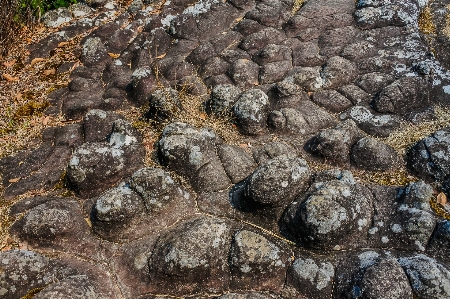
[{"x": 265, "y": 156}]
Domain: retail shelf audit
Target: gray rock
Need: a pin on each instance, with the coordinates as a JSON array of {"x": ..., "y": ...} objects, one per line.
[
  {"x": 331, "y": 100},
  {"x": 428, "y": 159},
  {"x": 94, "y": 52},
  {"x": 372, "y": 83},
  {"x": 273, "y": 53},
  {"x": 192, "y": 257},
  {"x": 375, "y": 125},
  {"x": 74, "y": 287},
  {"x": 272, "y": 150},
  {"x": 334, "y": 144},
  {"x": 371, "y": 154},
  {"x": 428, "y": 278},
  {"x": 338, "y": 71},
  {"x": 57, "y": 17},
  {"x": 417, "y": 195},
  {"x": 238, "y": 164},
  {"x": 278, "y": 181},
  {"x": 312, "y": 276},
  {"x": 256, "y": 262},
  {"x": 97, "y": 125},
  {"x": 308, "y": 78},
  {"x": 192, "y": 153},
  {"x": 135, "y": 6},
  {"x": 371, "y": 274},
  {"x": 251, "y": 295},
  {"x": 244, "y": 73},
  {"x": 251, "y": 111},
  {"x": 79, "y": 10},
  {"x": 95, "y": 166},
  {"x": 223, "y": 97},
  {"x": 332, "y": 215},
  {"x": 274, "y": 71}
]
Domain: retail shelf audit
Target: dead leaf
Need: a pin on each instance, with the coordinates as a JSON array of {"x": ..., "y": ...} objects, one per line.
[
  {"x": 442, "y": 199},
  {"x": 88, "y": 221},
  {"x": 36, "y": 60},
  {"x": 10, "y": 78},
  {"x": 49, "y": 72},
  {"x": 45, "y": 120},
  {"x": 243, "y": 145},
  {"x": 115, "y": 56},
  {"x": 10, "y": 63},
  {"x": 203, "y": 116},
  {"x": 14, "y": 180},
  {"x": 161, "y": 56},
  {"x": 62, "y": 44},
  {"x": 18, "y": 96}
]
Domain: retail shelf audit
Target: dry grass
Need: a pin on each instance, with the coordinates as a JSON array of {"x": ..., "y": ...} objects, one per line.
[
  {"x": 297, "y": 5},
  {"x": 446, "y": 30},
  {"x": 426, "y": 24}
]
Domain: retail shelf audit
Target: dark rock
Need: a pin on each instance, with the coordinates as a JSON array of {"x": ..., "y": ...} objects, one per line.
[
  {"x": 272, "y": 53},
  {"x": 428, "y": 278},
  {"x": 274, "y": 71},
  {"x": 355, "y": 94},
  {"x": 404, "y": 96},
  {"x": 143, "y": 83},
  {"x": 251, "y": 295},
  {"x": 270, "y": 13},
  {"x": 257, "y": 263},
  {"x": 325, "y": 217},
  {"x": 371, "y": 154},
  {"x": 231, "y": 56},
  {"x": 372, "y": 124},
  {"x": 338, "y": 71},
  {"x": 222, "y": 99},
  {"x": 164, "y": 104},
  {"x": 417, "y": 195},
  {"x": 276, "y": 182},
  {"x": 258, "y": 40},
  {"x": 334, "y": 144},
  {"x": 331, "y": 100},
  {"x": 308, "y": 78},
  {"x": 192, "y": 85},
  {"x": 332, "y": 41},
  {"x": 428, "y": 157},
  {"x": 94, "y": 52},
  {"x": 358, "y": 50},
  {"x": 238, "y": 164},
  {"x": 192, "y": 257},
  {"x": 272, "y": 150},
  {"x": 305, "y": 54},
  {"x": 192, "y": 153},
  {"x": 251, "y": 111},
  {"x": 244, "y": 73},
  {"x": 369, "y": 274},
  {"x": 247, "y": 27},
  {"x": 95, "y": 166},
  {"x": 312, "y": 276},
  {"x": 214, "y": 66},
  {"x": 78, "y": 286},
  {"x": 372, "y": 83},
  {"x": 97, "y": 125}
]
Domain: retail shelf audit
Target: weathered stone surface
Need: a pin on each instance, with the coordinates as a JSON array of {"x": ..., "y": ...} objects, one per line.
[
  {"x": 331, "y": 100},
  {"x": 428, "y": 278},
  {"x": 95, "y": 166},
  {"x": 371, "y": 154},
  {"x": 192, "y": 257},
  {"x": 238, "y": 164},
  {"x": 251, "y": 111},
  {"x": 57, "y": 17},
  {"x": 338, "y": 71},
  {"x": 256, "y": 262},
  {"x": 326, "y": 217},
  {"x": 222, "y": 98},
  {"x": 163, "y": 104},
  {"x": 371, "y": 274},
  {"x": 428, "y": 158},
  {"x": 192, "y": 153}
]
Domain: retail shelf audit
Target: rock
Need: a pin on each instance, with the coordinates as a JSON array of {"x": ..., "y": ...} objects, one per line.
[
  {"x": 273, "y": 13},
  {"x": 326, "y": 217},
  {"x": 94, "y": 52},
  {"x": 192, "y": 153},
  {"x": 372, "y": 124},
  {"x": 273, "y": 53},
  {"x": 164, "y": 104},
  {"x": 371, "y": 154},
  {"x": 334, "y": 144},
  {"x": 308, "y": 78},
  {"x": 338, "y": 71},
  {"x": 57, "y": 17},
  {"x": 95, "y": 166},
  {"x": 271, "y": 150},
  {"x": 274, "y": 71},
  {"x": 428, "y": 278},
  {"x": 135, "y": 6},
  {"x": 97, "y": 125},
  {"x": 372, "y": 83},
  {"x": 78, "y": 286},
  {"x": 428, "y": 159},
  {"x": 238, "y": 164},
  {"x": 250, "y": 295},
  {"x": 403, "y": 97},
  {"x": 417, "y": 195},
  {"x": 80, "y": 10},
  {"x": 251, "y": 111},
  {"x": 355, "y": 94},
  {"x": 257, "y": 263},
  {"x": 244, "y": 73},
  {"x": 331, "y": 100},
  {"x": 192, "y": 257},
  {"x": 277, "y": 182},
  {"x": 312, "y": 276},
  {"x": 369, "y": 274},
  {"x": 258, "y": 40},
  {"x": 222, "y": 99}
]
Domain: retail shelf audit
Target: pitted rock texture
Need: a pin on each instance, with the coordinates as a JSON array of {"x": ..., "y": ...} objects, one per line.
[{"x": 252, "y": 219}]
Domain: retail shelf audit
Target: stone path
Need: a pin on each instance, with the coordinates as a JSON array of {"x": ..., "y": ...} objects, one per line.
[{"x": 321, "y": 84}]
